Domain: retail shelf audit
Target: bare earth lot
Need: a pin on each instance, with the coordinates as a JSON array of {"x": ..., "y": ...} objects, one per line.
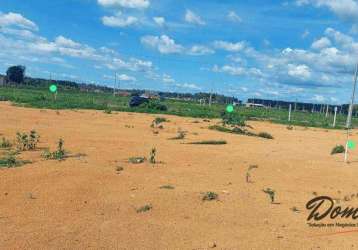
[{"x": 82, "y": 203}]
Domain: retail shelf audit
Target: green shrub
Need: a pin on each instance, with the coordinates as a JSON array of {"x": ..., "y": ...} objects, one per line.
[
  {"x": 144, "y": 208},
  {"x": 5, "y": 143},
  {"x": 338, "y": 149},
  {"x": 136, "y": 160},
  {"x": 233, "y": 119},
  {"x": 167, "y": 187},
  {"x": 27, "y": 141},
  {"x": 271, "y": 193},
  {"x": 59, "y": 154},
  {"x": 209, "y": 142},
  {"x": 11, "y": 161},
  {"x": 154, "y": 105},
  {"x": 265, "y": 135},
  {"x": 152, "y": 155},
  {"x": 209, "y": 196},
  {"x": 181, "y": 135}
]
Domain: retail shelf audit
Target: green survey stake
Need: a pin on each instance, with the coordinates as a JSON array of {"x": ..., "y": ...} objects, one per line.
[
  {"x": 53, "y": 88},
  {"x": 351, "y": 144},
  {"x": 230, "y": 108}
]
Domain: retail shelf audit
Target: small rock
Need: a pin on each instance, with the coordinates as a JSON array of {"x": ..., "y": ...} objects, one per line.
[{"x": 212, "y": 245}]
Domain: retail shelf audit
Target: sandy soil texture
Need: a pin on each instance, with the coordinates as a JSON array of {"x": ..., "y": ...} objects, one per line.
[{"x": 84, "y": 203}]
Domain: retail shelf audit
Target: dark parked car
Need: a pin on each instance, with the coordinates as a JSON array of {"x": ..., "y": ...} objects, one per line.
[{"x": 137, "y": 101}]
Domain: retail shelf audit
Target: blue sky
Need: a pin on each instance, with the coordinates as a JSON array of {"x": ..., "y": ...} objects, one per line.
[{"x": 285, "y": 50}]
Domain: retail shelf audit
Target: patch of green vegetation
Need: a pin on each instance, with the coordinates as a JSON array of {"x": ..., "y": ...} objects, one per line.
[
  {"x": 233, "y": 119},
  {"x": 136, "y": 160},
  {"x": 265, "y": 135},
  {"x": 159, "y": 120},
  {"x": 271, "y": 193},
  {"x": 27, "y": 141},
  {"x": 240, "y": 131},
  {"x": 209, "y": 142},
  {"x": 210, "y": 196},
  {"x": 152, "y": 155},
  {"x": 167, "y": 187},
  {"x": 59, "y": 154},
  {"x": 338, "y": 149},
  {"x": 144, "y": 208},
  {"x": 10, "y": 161},
  {"x": 181, "y": 135},
  {"x": 5, "y": 143},
  {"x": 39, "y": 97},
  {"x": 107, "y": 111}
]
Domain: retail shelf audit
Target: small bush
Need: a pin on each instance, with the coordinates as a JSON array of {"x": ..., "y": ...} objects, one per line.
[
  {"x": 5, "y": 143},
  {"x": 209, "y": 196},
  {"x": 338, "y": 149},
  {"x": 265, "y": 135},
  {"x": 136, "y": 160},
  {"x": 271, "y": 193},
  {"x": 144, "y": 208},
  {"x": 181, "y": 135},
  {"x": 152, "y": 155},
  {"x": 210, "y": 142},
  {"x": 154, "y": 105},
  {"x": 167, "y": 187},
  {"x": 11, "y": 161},
  {"x": 27, "y": 141},
  {"x": 157, "y": 121},
  {"x": 233, "y": 119},
  {"x": 59, "y": 154},
  {"x": 108, "y": 111}
]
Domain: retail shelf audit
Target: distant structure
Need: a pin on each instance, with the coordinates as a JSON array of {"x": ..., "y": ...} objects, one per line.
[
  {"x": 251, "y": 105},
  {"x": 2, "y": 80}
]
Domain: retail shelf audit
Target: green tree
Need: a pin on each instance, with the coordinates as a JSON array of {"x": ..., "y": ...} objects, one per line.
[{"x": 16, "y": 74}]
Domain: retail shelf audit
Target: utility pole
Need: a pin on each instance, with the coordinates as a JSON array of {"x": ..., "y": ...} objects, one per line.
[
  {"x": 115, "y": 83},
  {"x": 289, "y": 112},
  {"x": 349, "y": 118},
  {"x": 335, "y": 116}
]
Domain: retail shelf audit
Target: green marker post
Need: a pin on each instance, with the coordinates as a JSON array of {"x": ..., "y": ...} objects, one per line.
[
  {"x": 230, "y": 108},
  {"x": 53, "y": 90}
]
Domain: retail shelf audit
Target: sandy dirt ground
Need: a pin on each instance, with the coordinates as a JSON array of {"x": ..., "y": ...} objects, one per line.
[{"x": 84, "y": 203}]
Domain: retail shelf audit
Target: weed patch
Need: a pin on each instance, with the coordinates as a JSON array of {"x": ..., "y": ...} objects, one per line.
[
  {"x": 338, "y": 149},
  {"x": 209, "y": 142},
  {"x": 5, "y": 143},
  {"x": 144, "y": 208},
  {"x": 59, "y": 154},
  {"x": 210, "y": 196},
  {"x": 136, "y": 160},
  {"x": 167, "y": 187}
]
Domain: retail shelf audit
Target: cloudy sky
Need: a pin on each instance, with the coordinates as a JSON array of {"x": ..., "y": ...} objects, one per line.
[{"x": 286, "y": 50}]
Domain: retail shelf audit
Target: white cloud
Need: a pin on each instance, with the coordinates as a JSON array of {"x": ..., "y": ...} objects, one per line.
[
  {"x": 167, "y": 79},
  {"x": 318, "y": 98},
  {"x": 126, "y": 78},
  {"x": 233, "y": 17},
  {"x": 163, "y": 44},
  {"x": 63, "y": 41},
  {"x": 134, "y": 4},
  {"x": 160, "y": 21},
  {"x": 198, "y": 50},
  {"x": 16, "y": 20},
  {"x": 321, "y": 43},
  {"x": 190, "y": 86},
  {"x": 299, "y": 71},
  {"x": 119, "y": 20},
  {"x": 228, "y": 46},
  {"x": 193, "y": 18},
  {"x": 345, "y": 9}
]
